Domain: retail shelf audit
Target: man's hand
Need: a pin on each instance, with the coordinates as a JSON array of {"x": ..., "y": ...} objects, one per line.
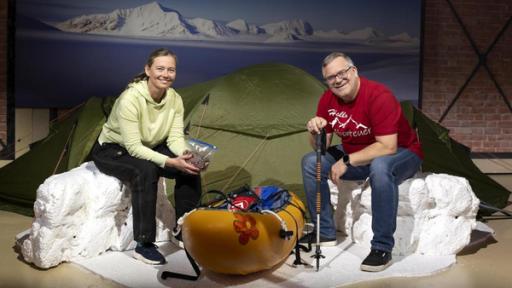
[
  {"x": 337, "y": 170},
  {"x": 316, "y": 124}
]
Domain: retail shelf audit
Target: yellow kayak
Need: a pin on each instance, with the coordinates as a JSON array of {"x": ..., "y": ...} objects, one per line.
[{"x": 235, "y": 242}]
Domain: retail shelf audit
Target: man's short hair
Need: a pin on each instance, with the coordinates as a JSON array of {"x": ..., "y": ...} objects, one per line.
[{"x": 329, "y": 58}]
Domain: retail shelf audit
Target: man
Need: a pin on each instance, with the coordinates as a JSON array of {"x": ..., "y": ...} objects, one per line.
[{"x": 377, "y": 142}]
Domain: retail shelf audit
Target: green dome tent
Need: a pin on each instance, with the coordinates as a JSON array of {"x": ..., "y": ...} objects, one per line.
[
  {"x": 445, "y": 155},
  {"x": 255, "y": 116}
]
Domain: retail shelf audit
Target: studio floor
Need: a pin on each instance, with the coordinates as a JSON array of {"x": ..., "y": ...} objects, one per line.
[{"x": 488, "y": 266}]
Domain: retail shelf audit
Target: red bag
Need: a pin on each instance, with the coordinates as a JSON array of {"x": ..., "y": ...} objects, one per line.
[{"x": 242, "y": 203}]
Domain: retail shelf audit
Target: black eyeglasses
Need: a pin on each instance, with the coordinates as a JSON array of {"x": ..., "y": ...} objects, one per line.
[{"x": 341, "y": 74}]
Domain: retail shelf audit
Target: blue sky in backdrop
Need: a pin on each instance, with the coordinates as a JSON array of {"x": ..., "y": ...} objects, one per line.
[
  {"x": 391, "y": 17},
  {"x": 48, "y": 86}
]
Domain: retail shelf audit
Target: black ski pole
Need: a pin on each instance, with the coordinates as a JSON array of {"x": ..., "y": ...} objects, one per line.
[{"x": 319, "y": 148}]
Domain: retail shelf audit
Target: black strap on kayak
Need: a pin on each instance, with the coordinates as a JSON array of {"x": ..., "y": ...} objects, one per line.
[
  {"x": 224, "y": 201},
  {"x": 215, "y": 202},
  {"x": 299, "y": 246},
  {"x": 169, "y": 274},
  {"x": 298, "y": 259}
]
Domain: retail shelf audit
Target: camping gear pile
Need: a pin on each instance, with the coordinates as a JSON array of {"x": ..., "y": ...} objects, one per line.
[{"x": 244, "y": 231}]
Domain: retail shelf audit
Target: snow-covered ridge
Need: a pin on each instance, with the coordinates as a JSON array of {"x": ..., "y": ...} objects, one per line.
[
  {"x": 148, "y": 20},
  {"x": 242, "y": 26},
  {"x": 155, "y": 20}
]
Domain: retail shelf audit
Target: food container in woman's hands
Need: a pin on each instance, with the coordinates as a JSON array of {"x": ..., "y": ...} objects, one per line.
[{"x": 201, "y": 152}]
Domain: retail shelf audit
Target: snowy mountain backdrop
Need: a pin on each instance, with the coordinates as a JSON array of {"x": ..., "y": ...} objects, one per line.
[
  {"x": 106, "y": 43},
  {"x": 156, "y": 21}
]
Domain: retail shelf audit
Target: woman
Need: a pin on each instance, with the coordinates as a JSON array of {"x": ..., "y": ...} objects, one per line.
[{"x": 142, "y": 140}]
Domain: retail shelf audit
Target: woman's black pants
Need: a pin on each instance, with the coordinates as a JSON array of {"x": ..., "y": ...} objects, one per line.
[{"x": 142, "y": 176}]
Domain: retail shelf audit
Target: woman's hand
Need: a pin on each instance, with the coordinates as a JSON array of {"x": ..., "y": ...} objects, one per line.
[
  {"x": 197, "y": 160},
  {"x": 181, "y": 164}
]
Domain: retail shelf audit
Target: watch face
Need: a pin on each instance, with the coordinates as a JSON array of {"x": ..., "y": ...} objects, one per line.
[{"x": 346, "y": 159}]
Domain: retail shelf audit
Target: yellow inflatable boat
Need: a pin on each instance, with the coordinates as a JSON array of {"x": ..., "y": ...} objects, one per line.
[{"x": 237, "y": 242}]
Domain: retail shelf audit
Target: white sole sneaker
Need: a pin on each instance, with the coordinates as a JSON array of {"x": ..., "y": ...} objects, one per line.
[
  {"x": 145, "y": 260},
  {"x": 369, "y": 268},
  {"x": 328, "y": 243}
]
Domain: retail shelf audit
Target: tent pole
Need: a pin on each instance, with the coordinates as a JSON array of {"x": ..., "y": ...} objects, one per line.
[
  {"x": 64, "y": 149},
  {"x": 205, "y": 103},
  {"x": 487, "y": 206}
]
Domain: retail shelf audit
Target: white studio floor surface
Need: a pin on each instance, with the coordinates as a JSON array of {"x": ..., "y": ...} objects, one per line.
[{"x": 339, "y": 267}]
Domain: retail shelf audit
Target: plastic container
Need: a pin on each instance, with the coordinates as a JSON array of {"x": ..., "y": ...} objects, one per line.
[{"x": 201, "y": 152}]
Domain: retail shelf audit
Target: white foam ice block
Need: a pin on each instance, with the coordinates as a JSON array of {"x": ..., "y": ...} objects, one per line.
[
  {"x": 436, "y": 214},
  {"x": 82, "y": 213}
]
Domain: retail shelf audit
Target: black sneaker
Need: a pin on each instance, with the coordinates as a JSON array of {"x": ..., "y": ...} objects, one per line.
[
  {"x": 310, "y": 238},
  {"x": 148, "y": 253},
  {"x": 376, "y": 261}
]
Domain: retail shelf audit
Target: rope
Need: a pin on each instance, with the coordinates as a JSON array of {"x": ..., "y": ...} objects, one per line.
[
  {"x": 201, "y": 119},
  {"x": 64, "y": 149},
  {"x": 205, "y": 107},
  {"x": 179, "y": 223},
  {"x": 245, "y": 163},
  {"x": 281, "y": 221},
  {"x": 66, "y": 114}
]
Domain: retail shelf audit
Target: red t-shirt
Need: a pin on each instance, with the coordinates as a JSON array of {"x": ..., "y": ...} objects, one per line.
[{"x": 374, "y": 112}]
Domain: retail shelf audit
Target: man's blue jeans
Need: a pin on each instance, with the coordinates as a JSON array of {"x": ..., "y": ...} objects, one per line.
[{"x": 385, "y": 173}]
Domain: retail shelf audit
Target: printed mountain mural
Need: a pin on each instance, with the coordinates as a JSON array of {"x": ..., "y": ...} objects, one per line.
[{"x": 155, "y": 20}]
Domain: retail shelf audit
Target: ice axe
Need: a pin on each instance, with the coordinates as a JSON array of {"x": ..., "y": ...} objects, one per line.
[{"x": 320, "y": 150}]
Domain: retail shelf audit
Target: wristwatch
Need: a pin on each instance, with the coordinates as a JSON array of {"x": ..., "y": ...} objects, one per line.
[{"x": 346, "y": 160}]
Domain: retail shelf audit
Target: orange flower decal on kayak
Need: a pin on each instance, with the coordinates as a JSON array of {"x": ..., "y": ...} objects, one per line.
[{"x": 245, "y": 225}]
